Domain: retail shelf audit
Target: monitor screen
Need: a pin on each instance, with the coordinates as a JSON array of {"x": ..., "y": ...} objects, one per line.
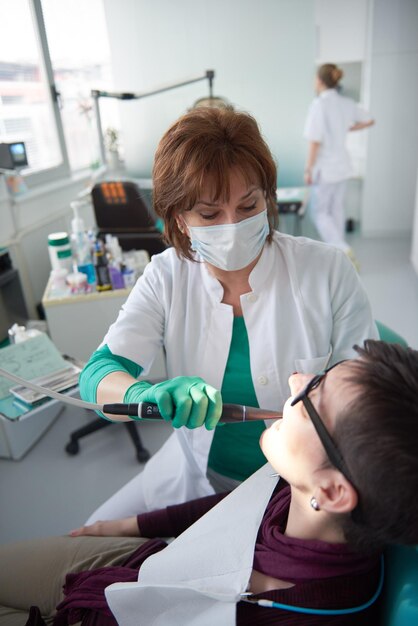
[{"x": 18, "y": 153}]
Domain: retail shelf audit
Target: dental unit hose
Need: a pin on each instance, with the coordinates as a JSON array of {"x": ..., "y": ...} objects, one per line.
[{"x": 231, "y": 413}]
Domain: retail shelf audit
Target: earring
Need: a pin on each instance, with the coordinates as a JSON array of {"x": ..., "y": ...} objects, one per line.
[{"x": 314, "y": 504}]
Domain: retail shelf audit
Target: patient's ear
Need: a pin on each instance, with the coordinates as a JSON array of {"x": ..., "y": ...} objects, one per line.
[{"x": 335, "y": 494}]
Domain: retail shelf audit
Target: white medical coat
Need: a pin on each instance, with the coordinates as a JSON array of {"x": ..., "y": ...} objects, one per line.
[
  {"x": 306, "y": 310},
  {"x": 329, "y": 119}
]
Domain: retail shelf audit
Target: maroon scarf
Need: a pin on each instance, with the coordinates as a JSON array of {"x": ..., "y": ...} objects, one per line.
[{"x": 301, "y": 560}]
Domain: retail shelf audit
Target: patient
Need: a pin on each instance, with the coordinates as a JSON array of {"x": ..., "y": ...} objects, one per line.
[{"x": 346, "y": 451}]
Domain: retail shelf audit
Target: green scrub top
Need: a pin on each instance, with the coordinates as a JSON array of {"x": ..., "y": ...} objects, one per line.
[{"x": 235, "y": 450}]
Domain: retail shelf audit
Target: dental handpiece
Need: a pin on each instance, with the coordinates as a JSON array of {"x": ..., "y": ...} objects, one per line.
[{"x": 231, "y": 413}]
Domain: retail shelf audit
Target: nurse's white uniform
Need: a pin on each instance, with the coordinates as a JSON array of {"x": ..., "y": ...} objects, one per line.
[
  {"x": 329, "y": 119},
  {"x": 306, "y": 310}
]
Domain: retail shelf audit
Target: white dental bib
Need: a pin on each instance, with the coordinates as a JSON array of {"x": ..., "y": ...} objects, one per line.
[{"x": 197, "y": 580}]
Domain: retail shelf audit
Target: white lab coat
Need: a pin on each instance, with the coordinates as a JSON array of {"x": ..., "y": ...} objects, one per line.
[
  {"x": 329, "y": 119},
  {"x": 306, "y": 310},
  {"x": 197, "y": 580}
]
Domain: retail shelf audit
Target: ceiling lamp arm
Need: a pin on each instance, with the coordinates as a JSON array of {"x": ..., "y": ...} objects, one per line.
[{"x": 96, "y": 94}]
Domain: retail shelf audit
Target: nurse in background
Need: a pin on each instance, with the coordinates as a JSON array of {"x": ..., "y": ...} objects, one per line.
[
  {"x": 328, "y": 167},
  {"x": 235, "y": 306}
]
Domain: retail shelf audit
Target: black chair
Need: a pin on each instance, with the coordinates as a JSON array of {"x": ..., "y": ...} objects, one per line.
[
  {"x": 122, "y": 209},
  {"x": 73, "y": 446}
]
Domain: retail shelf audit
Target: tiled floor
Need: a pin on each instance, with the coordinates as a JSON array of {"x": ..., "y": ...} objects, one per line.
[{"x": 49, "y": 492}]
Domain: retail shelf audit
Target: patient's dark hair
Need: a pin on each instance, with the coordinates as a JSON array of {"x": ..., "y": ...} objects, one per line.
[{"x": 378, "y": 438}]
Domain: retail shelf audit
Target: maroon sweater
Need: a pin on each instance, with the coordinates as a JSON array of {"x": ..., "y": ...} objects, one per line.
[{"x": 324, "y": 575}]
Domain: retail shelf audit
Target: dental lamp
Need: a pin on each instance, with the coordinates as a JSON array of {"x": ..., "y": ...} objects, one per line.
[{"x": 97, "y": 94}]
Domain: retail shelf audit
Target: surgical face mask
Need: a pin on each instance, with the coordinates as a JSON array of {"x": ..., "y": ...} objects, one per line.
[{"x": 231, "y": 246}]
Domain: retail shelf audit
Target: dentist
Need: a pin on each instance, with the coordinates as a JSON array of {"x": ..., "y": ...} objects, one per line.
[{"x": 235, "y": 305}]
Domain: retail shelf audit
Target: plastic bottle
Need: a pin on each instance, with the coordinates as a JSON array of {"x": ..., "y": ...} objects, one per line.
[
  {"x": 77, "y": 282},
  {"x": 142, "y": 259},
  {"x": 115, "y": 262},
  {"x": 128, "y": 274},
  {"x": 59, "y": 250},
  {"x": 115, "y": 273},
  {"x": 59, "y": 285},
  {"x": 81, "y": 248},
  {"x": 102, "y": 271}
]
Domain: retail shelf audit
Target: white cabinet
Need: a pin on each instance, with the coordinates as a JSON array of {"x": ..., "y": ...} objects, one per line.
[
  {"x": 77, "y": 324},
  {"x": 341, "y": 30}
]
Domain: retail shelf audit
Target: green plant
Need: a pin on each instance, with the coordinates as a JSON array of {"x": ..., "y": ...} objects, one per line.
[{"x": 111, "y": 139}]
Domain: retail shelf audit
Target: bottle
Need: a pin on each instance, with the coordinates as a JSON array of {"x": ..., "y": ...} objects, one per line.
[
  {"x": 77, "y": 282},
  {"x": 142, "y": 259},
  {"x": 128, "y": 274},
  {"x": 80, "y": 244},
  {"x": 59, "y": 250},
  {"x": 114, "y": 253},
  {"x": 115, "y": 273},
  {"x": 102, "y": 271},
  {"x": 59, "y": 286}
]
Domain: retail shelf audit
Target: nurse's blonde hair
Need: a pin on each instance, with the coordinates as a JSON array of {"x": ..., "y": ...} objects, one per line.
[
  {"x": 209, "y": 143},
  {"x": 330, "y": 75}
]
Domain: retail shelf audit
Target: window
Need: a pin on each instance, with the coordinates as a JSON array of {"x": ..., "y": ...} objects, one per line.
[
  {"x": 25, "y": 103},
  {"x": 51, "y": 55}
]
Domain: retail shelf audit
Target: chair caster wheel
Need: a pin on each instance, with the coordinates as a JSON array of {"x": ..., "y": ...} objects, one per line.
[
  {"x": 143, "y": 455},
  {"x": 72, "y": 448}
]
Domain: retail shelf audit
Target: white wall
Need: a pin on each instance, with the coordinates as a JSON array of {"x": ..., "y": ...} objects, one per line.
[
  {"x": 391, "y": 168},
  {"x": 414, "y": 249},
  {"x": 341, "y": 30},
  {"x": 262, "y": 53}
]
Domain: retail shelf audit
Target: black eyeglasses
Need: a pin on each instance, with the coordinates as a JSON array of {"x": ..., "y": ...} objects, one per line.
[{"x": 327, "y": 441}]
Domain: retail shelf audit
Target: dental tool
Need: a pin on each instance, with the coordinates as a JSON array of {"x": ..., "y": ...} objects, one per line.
[{"x": 231, "y": 413}]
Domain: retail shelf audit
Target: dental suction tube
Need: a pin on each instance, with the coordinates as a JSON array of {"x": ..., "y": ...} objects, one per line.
[
  {"x": 81, "y": 404},
  {"x": 231, "y": 413}
]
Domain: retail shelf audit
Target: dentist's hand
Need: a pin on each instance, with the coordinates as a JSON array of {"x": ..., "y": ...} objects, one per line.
[{"x": 184, "y": 400}]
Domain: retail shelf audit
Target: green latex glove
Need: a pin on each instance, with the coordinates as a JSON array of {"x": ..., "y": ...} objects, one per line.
[{"x": 184, "y": 400}]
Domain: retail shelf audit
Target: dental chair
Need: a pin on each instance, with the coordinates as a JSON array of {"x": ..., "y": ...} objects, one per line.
[
  {"x": 400, "y": 593},
  {"x": 389, "y": 335}
]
